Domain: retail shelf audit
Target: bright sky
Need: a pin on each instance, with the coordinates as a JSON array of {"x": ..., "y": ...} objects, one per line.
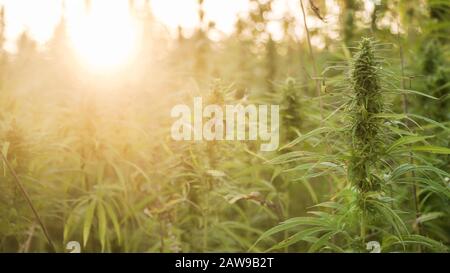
[
  {"x": 106, "y": 36},
  {"x": 39, "y": 17}
]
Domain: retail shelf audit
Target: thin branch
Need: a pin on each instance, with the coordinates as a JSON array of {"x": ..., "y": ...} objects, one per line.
[
  {"x": 315, "y": 70},
  {"x": 405, "y": 111},
  {"x": 28, "y": 199}
]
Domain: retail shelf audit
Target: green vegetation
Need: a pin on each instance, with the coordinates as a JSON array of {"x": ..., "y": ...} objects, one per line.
[{"x": 364, "y": 136}]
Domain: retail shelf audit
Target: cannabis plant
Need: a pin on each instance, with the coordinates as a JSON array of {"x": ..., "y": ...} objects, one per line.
[{"x": 374, "y": 164}]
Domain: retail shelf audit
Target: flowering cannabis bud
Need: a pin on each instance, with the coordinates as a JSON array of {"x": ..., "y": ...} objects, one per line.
[{"x": 367, "y": 102}]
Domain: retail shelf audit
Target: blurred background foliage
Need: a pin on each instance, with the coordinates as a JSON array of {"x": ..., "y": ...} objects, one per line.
[{"x": 95, "y": 155}]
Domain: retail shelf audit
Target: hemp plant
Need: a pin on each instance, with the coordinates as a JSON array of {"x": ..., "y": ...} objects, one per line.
[
  {"x": 368, "y": 135},
  {"x": 291, "y": 109},
  {"x": 373, "y": 165}
]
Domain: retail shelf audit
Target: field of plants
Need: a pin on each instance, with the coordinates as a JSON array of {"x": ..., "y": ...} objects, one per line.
[{"x": 363, "y": 158}]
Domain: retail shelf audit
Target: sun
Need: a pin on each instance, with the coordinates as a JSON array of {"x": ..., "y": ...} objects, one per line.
[{"x": 105, "y": 39}]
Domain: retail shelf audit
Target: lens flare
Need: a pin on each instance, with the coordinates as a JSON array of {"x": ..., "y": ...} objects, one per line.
[{"x": 105, "y": 40}]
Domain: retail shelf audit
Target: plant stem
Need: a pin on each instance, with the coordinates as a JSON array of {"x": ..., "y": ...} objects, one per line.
[
  {"x": 402, "y": 66},
  {"x": 30, "y": 203},
  {"x": 363, "y": 226},
  {"x": 414, "y": 185},
  {"x": 313, "y": 60},
  {"x": 205, "y": 217},
  {"x": 405, "y": 111}
]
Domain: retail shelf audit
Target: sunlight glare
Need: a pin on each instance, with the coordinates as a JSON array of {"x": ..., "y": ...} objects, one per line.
[{"x": 105, "y": 40}]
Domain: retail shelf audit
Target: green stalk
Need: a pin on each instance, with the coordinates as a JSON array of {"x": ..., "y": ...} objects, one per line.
[
  {"x": 30, "y": 203},
  {"x": 363, "y": 227},
  {"x": 313, "y": 59},
  {"x": 405, "y": 111},
  {"x": 205, "y": 218}
]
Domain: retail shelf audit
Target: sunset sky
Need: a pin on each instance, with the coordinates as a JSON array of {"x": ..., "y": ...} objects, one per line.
[
  {"x": 39, "y": 17},
  {"x": 107, "y": 35}
]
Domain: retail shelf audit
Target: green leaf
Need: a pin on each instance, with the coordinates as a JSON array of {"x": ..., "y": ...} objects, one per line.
[
  {"x": 424, "y": 241},
  {"x": 431, "y": 149},
  {"x": 407, "y": 91},
  {"x": 314, "y": 132},
  {"x": 71, "y": 220},
  {"x": 391, "y": 217},
  {"x": 112, "y": 215},
  {"x": 5, "y": 148},
  {"x": 89, "y": 215},
  {"x": 289, "y": 224},
  {"x": 435, "y": 123},
  {"x": 119, "y": 173},
  {"x": 301, "y": 167},
  {"x": 429, "y": 216},
  {"x": 322, "y": 241},
  {"x": 289, "y": 157},
  {"x": 101, "y": 225},
  {"x": 310, "y": 190},
  {"x": 405, "y": 168},
  {"x": 68, "y": 227},
  {"x": 329, "y": 204},
  {"x": 297, "y": 237},
  {"x": 138, "y": 169},
  {"x": 407, "y": 140}
]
